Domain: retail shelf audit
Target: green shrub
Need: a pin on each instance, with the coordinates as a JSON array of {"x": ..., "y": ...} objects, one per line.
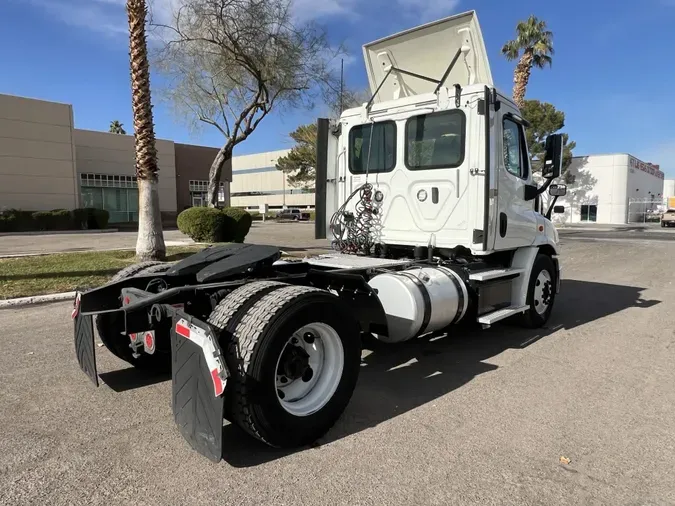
[
  {"x": 238, "y": 224},
  {"x": 90, "y": 218},
  {"x": 312, "y": 215},
  {"x": 5, "y": 224},
  {"x": 80, "y": 218},
  {"x": 58, "y": 219},
  {"x": 203, "y": 224},
  {"x": 207, "y": 224},
  {"x": 15, "y": 220},
  {"x": 100, "y": 218},
  {"x": 257, "y": 216}
]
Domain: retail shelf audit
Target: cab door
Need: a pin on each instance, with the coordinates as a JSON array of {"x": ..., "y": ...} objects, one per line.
[{"x": 516, "y": 217}]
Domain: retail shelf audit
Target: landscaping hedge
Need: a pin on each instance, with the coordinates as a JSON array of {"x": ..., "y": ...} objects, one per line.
[
  {"x": 256, "y": 216},
  {"x": 15, "y": 220},
  {"x": 208, "y": 224},
  {"x": 240, "y": 221}
]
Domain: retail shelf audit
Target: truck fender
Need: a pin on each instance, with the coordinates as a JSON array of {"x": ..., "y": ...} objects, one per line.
[{"x": 524, "y": 258}]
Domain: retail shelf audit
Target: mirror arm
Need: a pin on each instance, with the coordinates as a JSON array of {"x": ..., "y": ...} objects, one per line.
[
  {"x": 550, "y": 209},
  {"x": 545, "y": 186}
]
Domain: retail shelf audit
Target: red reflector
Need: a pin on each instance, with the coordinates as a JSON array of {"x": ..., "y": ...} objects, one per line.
[
  {"x": 126, "y": 300},
  {"x": 76, "y": 307},
  {"x": 181, "y": 330},
  {"x": 148, "y": 340},
  {"x": 217, "y": 382},
  {"x": 541, "y": 228}
]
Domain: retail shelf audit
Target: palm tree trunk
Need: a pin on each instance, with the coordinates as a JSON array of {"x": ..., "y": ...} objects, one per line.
[
  {"x": 521, "y": 76},
  {"x": 222, "y": 157},
  {"x": 150, "y": 242}
]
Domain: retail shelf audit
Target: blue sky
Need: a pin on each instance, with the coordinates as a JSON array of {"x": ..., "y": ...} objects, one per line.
[{"x": 612, "y": 74}]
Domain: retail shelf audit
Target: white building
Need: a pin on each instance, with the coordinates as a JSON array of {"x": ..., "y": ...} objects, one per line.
[
  {"x": 612, "y": 189},
  {"x": 669, "y": 188},
  {"x": 256, "y": 181}
]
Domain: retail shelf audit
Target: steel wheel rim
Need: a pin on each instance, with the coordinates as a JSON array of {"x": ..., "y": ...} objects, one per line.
[
  {"x": 543, "y": 287},
  {"x": 325, "y": 357}
]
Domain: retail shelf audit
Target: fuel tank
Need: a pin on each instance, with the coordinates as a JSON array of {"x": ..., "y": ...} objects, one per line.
[{"x": 420, "y": 300}]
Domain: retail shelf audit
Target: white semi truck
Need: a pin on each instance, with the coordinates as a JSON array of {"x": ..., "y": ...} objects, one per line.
[{"x": 427, "y": 194}]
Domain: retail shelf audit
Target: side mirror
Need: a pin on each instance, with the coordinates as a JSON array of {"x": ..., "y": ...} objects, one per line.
[
  {"x": 553, "y": 157},
  {"x": 559, "y": 209},
  {"x": 557, "y": 190}
]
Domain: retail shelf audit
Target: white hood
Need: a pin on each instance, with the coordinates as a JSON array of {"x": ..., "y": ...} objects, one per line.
[{"x": 428, "y": 50}]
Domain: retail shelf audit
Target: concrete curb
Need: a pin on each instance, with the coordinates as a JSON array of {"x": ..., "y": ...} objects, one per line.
[
  {"x": 60, "y": 232},
  {"x": 37, "y": 299}
]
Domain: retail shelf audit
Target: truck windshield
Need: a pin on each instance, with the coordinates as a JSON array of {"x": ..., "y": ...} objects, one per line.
[
  {"x": 372, "y": 148},
  {"x": 435, "y": 141}
]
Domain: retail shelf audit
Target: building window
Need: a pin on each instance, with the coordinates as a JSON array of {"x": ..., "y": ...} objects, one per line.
[
  {"x": 435, "y": 141},
  {"x": 108, "y": 181},
  {"x": 116, "y": 194},
  {"x": 589, "y": 212},
  {"x": 199, "y": 190}
]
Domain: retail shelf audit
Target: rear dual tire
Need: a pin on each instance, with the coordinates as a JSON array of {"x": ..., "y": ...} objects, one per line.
[{"x": 273, "y": 335}]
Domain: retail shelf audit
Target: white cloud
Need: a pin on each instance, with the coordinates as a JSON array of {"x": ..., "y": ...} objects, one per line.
[
  {"x": 429, "y": 10},
  {"x": 106, "y": 17},
  {"x": 95, "y": 15},
  {"x": 305, "y": 10}
]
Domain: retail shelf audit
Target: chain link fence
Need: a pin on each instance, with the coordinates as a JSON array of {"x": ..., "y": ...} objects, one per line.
[{"x": 645, "y": 210}]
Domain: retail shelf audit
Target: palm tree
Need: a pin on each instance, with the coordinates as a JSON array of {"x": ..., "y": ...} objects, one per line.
[
  {"x": 117, "y": 128},
  {"x": 536, "y": 44},
  {"x": 150, "y": 242}
]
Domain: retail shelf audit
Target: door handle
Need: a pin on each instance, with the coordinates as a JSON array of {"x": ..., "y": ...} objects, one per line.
[{"x": 434, "y": 195}]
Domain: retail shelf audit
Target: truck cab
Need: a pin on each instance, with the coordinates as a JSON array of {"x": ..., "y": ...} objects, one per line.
[{"x": 441, "y": 150}]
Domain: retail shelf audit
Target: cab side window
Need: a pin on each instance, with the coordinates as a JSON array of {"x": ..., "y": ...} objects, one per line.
[{"x": 515, "y": 153}]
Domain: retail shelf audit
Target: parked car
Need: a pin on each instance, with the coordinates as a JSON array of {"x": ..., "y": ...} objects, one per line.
[
  {"x": 293, "y": 214},
  {"x": 668, "y": 218}
]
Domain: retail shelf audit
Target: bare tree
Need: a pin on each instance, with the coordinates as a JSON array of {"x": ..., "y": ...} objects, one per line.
[{"x": 229, "y": 63}]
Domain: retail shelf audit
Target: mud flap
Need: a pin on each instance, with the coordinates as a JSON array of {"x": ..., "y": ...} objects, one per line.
[
  {"x": 84, "y": 342},
  {"x": 197, "y": 409}
]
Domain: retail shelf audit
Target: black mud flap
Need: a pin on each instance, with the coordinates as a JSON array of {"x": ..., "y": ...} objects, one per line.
[
  {"x": 196, "y": 410},
  {"x": 84, "y": 343}
]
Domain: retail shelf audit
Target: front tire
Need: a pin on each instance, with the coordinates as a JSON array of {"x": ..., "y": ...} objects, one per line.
[
  {"x": 540, "y": 292},
  {"x": 294, "y": 360}
]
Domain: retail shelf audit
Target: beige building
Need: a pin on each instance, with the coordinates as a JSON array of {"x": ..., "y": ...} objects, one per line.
[
  {"x": 37, "y": 155},
  {"x": 46, "y": 163},
  {"x": 256, "y": 181},
  {"x": 106, "y": 171}
]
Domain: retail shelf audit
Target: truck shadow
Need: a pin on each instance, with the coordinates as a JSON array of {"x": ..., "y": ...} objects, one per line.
[{"x": 395, "y": 379}]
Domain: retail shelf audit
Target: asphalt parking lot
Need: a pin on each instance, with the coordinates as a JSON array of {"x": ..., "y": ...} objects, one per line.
[{"x": 478, "y": 418}]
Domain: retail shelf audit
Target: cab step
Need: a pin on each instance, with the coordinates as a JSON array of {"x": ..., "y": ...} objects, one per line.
[
  {"x": 501, "y": 314},
  {"x": 495, "y": 274}
]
